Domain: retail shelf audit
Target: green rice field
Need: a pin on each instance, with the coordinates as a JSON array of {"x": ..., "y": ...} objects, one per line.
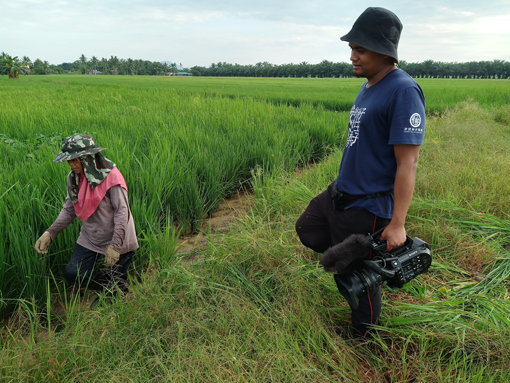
[
  {"x": 180, "y": 152},
  {"x": 256, "y": 306}
]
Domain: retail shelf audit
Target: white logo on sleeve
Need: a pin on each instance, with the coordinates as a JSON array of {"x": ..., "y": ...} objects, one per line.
[{"x": 415, "y": 120}]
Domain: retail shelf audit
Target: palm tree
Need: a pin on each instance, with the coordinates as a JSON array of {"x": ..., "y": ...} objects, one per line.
[
  {"x": 122, "y": 66},
  {"x": 83, "y": 60},
  {"x": 11, "y": 66},
  {"x": 47, "y": 67},
  {"x": 104, "y": 63},
  {"x": 114, "y": 63},
  {"x": 94, "y": 61},
  {"x": 429, "y": 67},
  {"x": 27, "y": 63},
  {"x": 129, "y": 66}
]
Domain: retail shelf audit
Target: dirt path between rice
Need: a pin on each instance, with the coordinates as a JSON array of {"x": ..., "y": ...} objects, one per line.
[{"x": 220, "y": 221}]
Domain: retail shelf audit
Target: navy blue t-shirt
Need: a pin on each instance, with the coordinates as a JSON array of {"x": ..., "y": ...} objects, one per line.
[{"x": 391, "y": 112}]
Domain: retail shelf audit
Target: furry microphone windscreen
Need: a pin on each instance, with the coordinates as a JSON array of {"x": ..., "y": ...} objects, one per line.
[{"x": 348, "y": 255}]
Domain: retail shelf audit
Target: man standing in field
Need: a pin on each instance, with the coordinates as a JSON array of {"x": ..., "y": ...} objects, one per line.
[{"x": 376, "y": 179}]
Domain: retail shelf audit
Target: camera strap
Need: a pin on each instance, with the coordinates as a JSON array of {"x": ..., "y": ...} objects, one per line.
[{"x": 342, "y": 199}]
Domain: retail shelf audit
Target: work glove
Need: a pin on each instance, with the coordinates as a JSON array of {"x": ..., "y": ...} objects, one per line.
[
  {"x": 42, "y": 243},
  {"x": 111, "y": 257}
]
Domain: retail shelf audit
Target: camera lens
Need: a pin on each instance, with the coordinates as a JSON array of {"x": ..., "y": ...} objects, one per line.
[{"x": 358, "y": 284}]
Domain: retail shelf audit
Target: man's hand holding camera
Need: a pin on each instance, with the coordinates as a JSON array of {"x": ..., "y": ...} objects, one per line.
[{"x": 394, "y": 235}]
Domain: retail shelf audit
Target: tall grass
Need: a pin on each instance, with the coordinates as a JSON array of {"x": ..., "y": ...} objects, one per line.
[
  {"x": 258, "y": 306},
  {"x": 180, "y": 154},
  {"x": 467, "y": 160},
  {"x": 183, "y": 146}
]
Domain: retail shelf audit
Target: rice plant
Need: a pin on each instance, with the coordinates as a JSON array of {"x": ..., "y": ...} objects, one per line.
[{"x": 180, "y": 152}]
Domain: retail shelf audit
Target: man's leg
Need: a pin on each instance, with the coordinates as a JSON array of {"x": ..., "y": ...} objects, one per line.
[
  {"x": 313, "y": 226},
  {"x": 359, "y": 221},
  {"x": 367, "y": 313},
  {"x": 321, "y": 226}
]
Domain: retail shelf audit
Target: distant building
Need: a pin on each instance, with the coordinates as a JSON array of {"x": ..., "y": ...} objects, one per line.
[
  {"x": 92, "y": 71},
  {"x": 178, "y": 74}
]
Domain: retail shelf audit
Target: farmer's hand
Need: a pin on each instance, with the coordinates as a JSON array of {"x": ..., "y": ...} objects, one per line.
[
  {"x": 111, "y": 257},
  {"x": 42, "y": 243}
]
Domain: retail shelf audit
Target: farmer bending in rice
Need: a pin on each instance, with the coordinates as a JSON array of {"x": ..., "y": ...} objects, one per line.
[{"x": 97, "y": 195}]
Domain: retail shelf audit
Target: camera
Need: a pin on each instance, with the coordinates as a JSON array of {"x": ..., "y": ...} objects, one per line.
[{"x": 395, "y": 267}]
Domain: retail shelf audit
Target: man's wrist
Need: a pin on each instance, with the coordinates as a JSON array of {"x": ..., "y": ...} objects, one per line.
[{"x": 397, "y": 223}]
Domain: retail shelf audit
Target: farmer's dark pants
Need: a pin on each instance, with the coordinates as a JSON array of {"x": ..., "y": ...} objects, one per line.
[
  {"x": 81, "y": 269},
  {"x": 321, "y": 226}
]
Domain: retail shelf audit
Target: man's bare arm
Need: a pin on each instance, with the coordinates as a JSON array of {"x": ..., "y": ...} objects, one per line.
[{"x": 407, "y": 162}]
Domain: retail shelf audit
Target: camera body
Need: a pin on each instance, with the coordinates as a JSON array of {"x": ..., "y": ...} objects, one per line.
[{"x": 395, "y": 267}]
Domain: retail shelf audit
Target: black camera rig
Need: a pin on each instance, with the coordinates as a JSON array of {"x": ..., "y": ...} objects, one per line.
[{"x": 397, "y": 267}]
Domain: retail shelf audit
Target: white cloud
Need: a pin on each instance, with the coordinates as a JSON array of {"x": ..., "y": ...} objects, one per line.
[
  {"x": 494, "y": 25},
  {"x": 155, "y": 15}
]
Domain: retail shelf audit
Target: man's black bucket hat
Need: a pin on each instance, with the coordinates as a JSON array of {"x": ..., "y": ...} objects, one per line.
[{"x": 378, "y": 30}]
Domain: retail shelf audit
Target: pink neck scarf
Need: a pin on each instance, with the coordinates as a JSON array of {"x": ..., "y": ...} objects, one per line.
[{"x": 88, "y": 199}]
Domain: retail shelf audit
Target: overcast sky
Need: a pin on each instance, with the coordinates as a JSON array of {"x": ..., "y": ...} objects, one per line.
[{"x": 201, "y": 32}]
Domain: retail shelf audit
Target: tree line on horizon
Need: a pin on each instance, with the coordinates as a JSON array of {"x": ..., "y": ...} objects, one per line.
[
  {"x": 496, "y": 69},
  {"x": 94, "y": 65}
]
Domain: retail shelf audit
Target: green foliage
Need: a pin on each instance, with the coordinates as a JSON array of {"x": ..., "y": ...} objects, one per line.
[
  {"x": 256, "y": 306},
  {"x": 11, "y": 66},
  {"x": 499, "y": 69},
  {"x": 466, "y": 159},
  {"x": 41, "y": 67},
  {"x": 183, "y": 144},
  {"x": 181, "y": 153}
]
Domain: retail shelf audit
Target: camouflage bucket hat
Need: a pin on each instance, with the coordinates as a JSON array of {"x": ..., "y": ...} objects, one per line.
[{"x": 77, "y": 146}]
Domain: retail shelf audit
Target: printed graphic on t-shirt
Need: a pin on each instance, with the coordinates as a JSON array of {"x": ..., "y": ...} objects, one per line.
[
  {"x": 415, "y": 122},
  {"x": 354, "y": 121}
]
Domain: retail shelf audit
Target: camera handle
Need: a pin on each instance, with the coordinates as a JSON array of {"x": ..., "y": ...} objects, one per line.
[
  {"x": 377, "y": 267},
  {"x": 380, "y": 246},
  {"x": 377, "y": 234}
]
